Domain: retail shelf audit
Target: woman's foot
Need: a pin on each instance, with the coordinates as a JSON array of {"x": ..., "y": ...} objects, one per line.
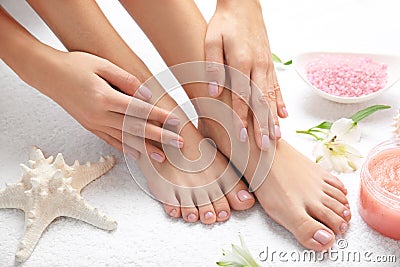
[
  {"x": 196, "y": 195},
  {"x": 298, "y": 194}
]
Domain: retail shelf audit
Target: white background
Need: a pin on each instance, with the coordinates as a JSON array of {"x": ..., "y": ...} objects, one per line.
[{"x": 145, "y": 235}]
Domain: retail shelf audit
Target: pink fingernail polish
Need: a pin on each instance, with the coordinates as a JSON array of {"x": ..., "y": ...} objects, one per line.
[
  {"x": 323, "y": 237},
  {"x": 145, "y": 92},
  {"x": 243, "y": 135},
  {"x": 213, "y": 89},
  {"x": 173, "y": 122},
  {"x": 346, "y": 213},
  {"x": 244, "y": 195},
  {"x": 192, "y": 217},
  {"x": 157, "y": 157},
  {"x": 208, "y": 215},
  {"x": 284, "y": 111},
  {"x": 222, "y": 214},
  {"x": 172, "y": 213},
  {"x": 277, "y": 132},
  {"x": 265, "y": 142},
  {"x": 347, "y": 206},
  {"x": 343, "y": 227},
  {"x": 176, "y": 143}
]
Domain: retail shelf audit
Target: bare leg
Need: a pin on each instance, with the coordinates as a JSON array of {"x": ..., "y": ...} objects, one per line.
[
  {"x": 82, "y": 26},
  {"x": 298, "y": 194}
]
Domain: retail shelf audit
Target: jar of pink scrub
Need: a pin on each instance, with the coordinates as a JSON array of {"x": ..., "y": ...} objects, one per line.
[{"x": 379, "y": 204}]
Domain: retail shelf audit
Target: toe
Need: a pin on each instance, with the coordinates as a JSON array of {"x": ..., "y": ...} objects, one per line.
[
  {"x": 337, "y": 207},
  {"x": 172, "y": 211},
  {"x": 222, "y": 210},
  {"x": 335, "y": 182},
  {"x": 329, "y": 218},
  {"x": 240, "y": 198},
  {"x": 336, "y": 194},
  {"x": 190, "y": 214},
  {"x": 207, "y": 214},
  {"x": 312, "y": 234}
]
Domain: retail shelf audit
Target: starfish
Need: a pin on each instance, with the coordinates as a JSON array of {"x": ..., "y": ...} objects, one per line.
[{"x": 51, "y": 189}]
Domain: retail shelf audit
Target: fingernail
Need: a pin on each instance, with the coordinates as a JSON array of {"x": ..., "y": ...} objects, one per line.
[
  {"x": 243, "y": 135},
  {"x": 265, "y": 142},
  {"x": 343, "y": 227},
  {"x": 157, "y": 157},
  {"x": 284, "y": 112},
  {"x": 172, "y": 213},
  {"x": 347, "y": 206},
  {"x": 176, "y": 143},
  {"x": 213, "y": 88},
  {"x": 145, "y": 92},
  {"x": 277, "y": 132},
  {"x": 222, "y": 214},
  {"x": 173, "y": 122},
  {"x": 191, "y": 217},
  {"x": 208, "y": 215},
  {"x": 244, "y": 195},
  {"x": 323, "y": 237},
  {"x": 346, "y": 213}
]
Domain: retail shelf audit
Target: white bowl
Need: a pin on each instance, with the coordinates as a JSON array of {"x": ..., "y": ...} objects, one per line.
[{"x": 393, "y": 73}]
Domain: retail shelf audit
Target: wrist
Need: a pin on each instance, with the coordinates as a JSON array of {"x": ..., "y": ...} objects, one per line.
[{"x": 236, "y": 3}]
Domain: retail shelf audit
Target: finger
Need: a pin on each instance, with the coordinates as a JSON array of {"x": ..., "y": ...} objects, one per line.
[
  {"x": 240, "y": 86},
  {"x": 137, "y": 143},
  {"x": 260, "y": 106},
  {"x": 280, "y": 104},
  {"x": 141, "y": 128},
  {"x": 126, "y": 82},
  {"x": 123, "y": 104},
  {"x": 215, "y": 71},
  {"x": 271, "y": 96}
]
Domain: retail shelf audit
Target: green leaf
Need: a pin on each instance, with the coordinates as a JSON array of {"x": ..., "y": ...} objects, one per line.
[
  {"x": 288, "y": 63},
  {"x": 276, "y": 58},
  {"x": 324, "y": 125},
  {"x": 362, "y": 114}
]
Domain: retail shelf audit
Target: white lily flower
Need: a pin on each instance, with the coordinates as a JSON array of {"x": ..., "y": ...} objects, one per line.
[
  {"x": 345, "y": 130},
  {"x": 239, "y": 256},
  {"x": 334, "y": 153}
]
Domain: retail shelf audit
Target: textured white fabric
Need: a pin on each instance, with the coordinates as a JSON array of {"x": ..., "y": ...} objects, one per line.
[{"x": 145, "y": 235}]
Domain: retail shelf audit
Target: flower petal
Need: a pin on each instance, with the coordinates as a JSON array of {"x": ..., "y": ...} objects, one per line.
[{"x": 345, "y": 130}]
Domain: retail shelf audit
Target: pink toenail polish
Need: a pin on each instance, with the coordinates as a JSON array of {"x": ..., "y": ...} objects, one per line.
[
  {"x": 222, "y": 214},
  {"x": 191, "y": 217},
  {"x": 172, "y": 213},
  {"x": 213, "y": 89},
  {"x": 157, "y": 157},
  {"x": 323, "y": 237},
  {"x": 343, "y": 227},
  {"x": 208, "y": 215},
  {"x": 244, "y": 195},
  {"x": 278, "y": 133},
  {"x": 346, "y": 213}
]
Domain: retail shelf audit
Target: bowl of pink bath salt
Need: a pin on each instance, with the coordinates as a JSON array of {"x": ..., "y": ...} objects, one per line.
[{"x": 348, "y": 77}]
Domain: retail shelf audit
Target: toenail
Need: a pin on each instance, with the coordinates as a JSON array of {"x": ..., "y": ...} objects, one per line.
[
  {"x": 191, "y": 217},
  {"x": 172, "y": 213},
  {"x": 244, "y": 195},
  {"x": 323, "y": 237},
  {"x": 222, "y": 214},
  {"x": 346, "y": 213},
  {"x": 343, "y": 227},
  {"x": 208, "y": 215}
]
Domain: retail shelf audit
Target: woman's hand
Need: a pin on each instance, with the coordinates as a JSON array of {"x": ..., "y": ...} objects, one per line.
[
  {"x": 81, "y": 84},
  {"x": 236, "y": 35}
]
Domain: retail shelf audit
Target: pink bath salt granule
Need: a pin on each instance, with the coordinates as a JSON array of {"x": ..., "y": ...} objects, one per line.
[{"x": 346, "y": 75}]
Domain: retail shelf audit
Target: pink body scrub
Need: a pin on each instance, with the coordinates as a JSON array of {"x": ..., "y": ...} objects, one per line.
[
  {"x": 346, "y": 75},
  {"x": 380, "y": 189}
]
